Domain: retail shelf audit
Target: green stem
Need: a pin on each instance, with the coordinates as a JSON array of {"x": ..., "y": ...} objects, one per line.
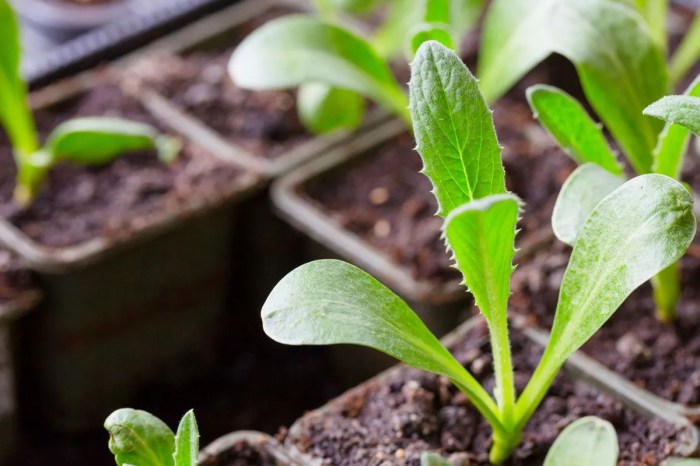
[
  {"x": 481, "y": 401},
  {"x": 503, "y": 446},
  {"x": 536, "y": 388},
  {"x": 667, "y": 290},
  {"x": 503, "y": 368},
  {"x": 687, "y": 53}
]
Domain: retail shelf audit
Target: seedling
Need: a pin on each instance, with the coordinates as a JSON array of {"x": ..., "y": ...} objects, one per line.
[
  {"x": 302, "y": 51},
  {"x": 600, "y": 173},
  {"x": 635, "y": 232},
  {"x": 93, "y": 140},
  {"x": 585, "y": 442},
  {"x": 138, "y": 438}
]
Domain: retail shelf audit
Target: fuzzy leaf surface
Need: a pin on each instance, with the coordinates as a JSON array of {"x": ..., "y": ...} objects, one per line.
[
  {"x": 585, "y": 442},
  {"x": 187, "y": 441},
  {"x": 571, "y": 126},
  {"x": 98, "y": 140},
  {"x": 137, "y": 438},
  {"x": 324, "y": 109},
  {"x": 620, "y": 65},
  {"x": 681, "y": 110},
  {"x": 673, "y": 142},
  {"x": 298, "y": 49},
  {"x": 583, "y": 190},
  {"x": 454, "y": 129}
]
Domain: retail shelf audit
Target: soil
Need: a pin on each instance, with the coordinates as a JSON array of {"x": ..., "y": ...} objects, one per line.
[
  {"x": 79, "y": 203},
  {"x": 382, "y": 198},
  {"x": 265, "y": 124},
  {"x": 14, "y": 277},
  {"x": 392, "y": 421},
  {"x": 242, "y": 454}
]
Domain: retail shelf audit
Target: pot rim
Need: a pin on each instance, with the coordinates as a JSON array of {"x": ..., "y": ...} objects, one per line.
[{"x": 254, "y": 438}]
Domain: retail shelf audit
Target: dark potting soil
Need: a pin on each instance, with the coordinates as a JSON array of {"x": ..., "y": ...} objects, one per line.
[
  {"x": 382, "y": 198},
  {"x": 265, "y": 123},
  {"x": 242, "y": 454},
  {"x": 392, "y": 421},
  {"x": 79, "y": 203}
]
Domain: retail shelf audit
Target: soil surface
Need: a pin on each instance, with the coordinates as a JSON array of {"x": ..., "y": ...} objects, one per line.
[
  {"x": 392, "y": 422},
  {"x": 78, "y": 203},
  {"x": 265, "y": 123},
  {"x": 381, "y": 197},
  {"x": 14, "y": 276},
  {"x": 242, "y": 454}
]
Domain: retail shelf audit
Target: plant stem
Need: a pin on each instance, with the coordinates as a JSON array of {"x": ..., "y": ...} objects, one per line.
[
  {"x": 503, "y": 368},
  {"x": 536, "y": 388},
  {"x": 503, "y": 446},
  {"x": 667, "y": 290}
]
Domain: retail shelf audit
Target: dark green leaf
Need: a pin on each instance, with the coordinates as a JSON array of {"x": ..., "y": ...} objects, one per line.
[
  {"x": 137, "y": 438},
  {"x": 297, "y": 49},
  {"x": 187, "y": 441},
  {"x": 98, "y": 140},
  {"x": 589, "y": 441},
  {"x": 581, "y": 193},
  {"x": 454, "y": 129},
  {"x": 324, "y": 109},
  {"x": 572, "y": 127}
]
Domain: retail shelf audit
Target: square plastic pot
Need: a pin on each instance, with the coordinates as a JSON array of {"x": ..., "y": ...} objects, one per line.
[{"x": 122, "y": 313}]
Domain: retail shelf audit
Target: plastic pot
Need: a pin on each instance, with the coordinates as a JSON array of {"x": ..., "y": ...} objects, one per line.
[
  {"x": 215, "y": 33},
  {"x": 222, "y": 451},
  {"x": 687, "y": 440},
  {"x": 123, "y": 312}
]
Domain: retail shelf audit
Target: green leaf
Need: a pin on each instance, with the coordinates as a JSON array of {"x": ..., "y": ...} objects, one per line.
[
  {"x": 424, "y": 32},
  {"x": 685, "y": 462},
  {"x": 586, "y": 442},
  {"x": 620, "y": 65},
  {"x": 356, "y": 7},
  {"x": 655, "y": 12},
  {"x": 298, "y": 49},
  {"x": 187, "y": 441},
  {"x": 454, "y": 129},
  {"x": 329, "y": 302},
  {"x": 432, "y": 459},
  {"x": 481, "y": 235},
  {"x": 98, "y": 140},
  {"x": 673, "y": 142},
  {"x": 325, "y": 109},
  {"x": 681, "y": 110},
  {"x": 633, "y": 234},
  {"x": 687, "y": 53},
  {"x": 584, "y": 189},
  {"x": 15, "y": 114},
  {"x": 571, "y": 126},
  {"x": 390, "y": 38},
  {"x": 137, "y": 438}
]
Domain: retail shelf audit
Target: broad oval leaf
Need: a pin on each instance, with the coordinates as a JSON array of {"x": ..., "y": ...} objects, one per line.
[
  {"x": 297, "y": 49},
  {"x": 584, "y": 189},
  {"x": 454, "y": 129},
  {"x": 432, "y": 459},
  {"x": 424, "y": 32},
  {"x": 673, "y": 142},
  {"x": 324, "y": 109},
  {"x": 187, "y": 441},
  {"x": 137, "y": 438},
  {"x": 633, "y": 234},
  {"x": 571, "y": 126},
  {"x": 589, "y": 441},
  {"x": 620, "y": 65},
  {"x": 681, "y": 110},
  {"x": 98, "y": 140}
]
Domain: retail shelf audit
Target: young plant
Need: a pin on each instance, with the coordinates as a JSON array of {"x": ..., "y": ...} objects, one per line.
[
  {"x": 339, "y": 65},
  {"x": 632, "y": 234},
  {"x": 93, "y": 140},
  {"x": 600, "y": 173},
  {"x": 585, "y": 442},
  {"x": 138, "y": 438}
]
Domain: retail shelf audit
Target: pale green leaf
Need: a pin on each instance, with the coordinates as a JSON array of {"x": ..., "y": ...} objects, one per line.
[
  {"x": 633, "y": 234},
  {"x": 424, "y": 32},
  {"x": 673, "y": 142},
  {"x": 297, "y": 49},
  {"x": 330, "y": 302},
  {"x": 454, "y": 129},
  {"x": 137, "y": 438},
  {"x": 655, "y": 12},
  {"x": 581, "y": 193},
  {"x": 681, "y": 110},
  {"x": 688, "y": 52},
  {"x": 356, "y": 7},
  {"x": 685, "y": 462},
  {"x": 325, "y": 109},
  {"x": 620, "y": 65},
  {"x": 187, "y": 441},
  {"x": 98, "y": 140},
  {"x": 588, "y": 441},
  {"x": 15, "y": 114},
  {"x": 571, "y": 126},
  {"x": 432, "y": 459},
  {"x": 390, "y": 38}
]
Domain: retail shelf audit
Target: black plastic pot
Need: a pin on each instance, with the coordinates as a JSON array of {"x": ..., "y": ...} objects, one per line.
[
  {"x": 222, "y": 451},
  {"x": 125, "y": 312}
]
